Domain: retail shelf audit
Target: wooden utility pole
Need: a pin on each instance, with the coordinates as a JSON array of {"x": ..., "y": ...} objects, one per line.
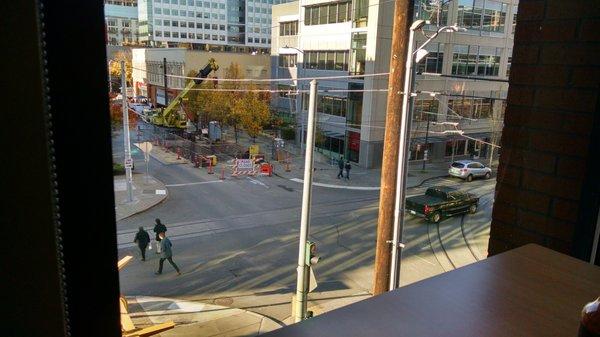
[{"x": 402, "y": 16}]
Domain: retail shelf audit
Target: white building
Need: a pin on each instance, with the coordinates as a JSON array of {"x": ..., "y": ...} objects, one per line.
[
  {"x": 217, "y": 25},
  {"x": 332, "y": 38},
  {"x": 121, "y": 22}
]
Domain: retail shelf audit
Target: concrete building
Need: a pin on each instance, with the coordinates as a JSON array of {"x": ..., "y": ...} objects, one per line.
[
  {"x": 148, "y": 79},
  {"x": 218, "y": 25},
  {"x": 121, "y": 17},
  {"x": 325, "y": 38}
]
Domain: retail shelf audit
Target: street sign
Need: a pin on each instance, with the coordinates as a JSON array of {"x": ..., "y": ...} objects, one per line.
[
  {"x": 244, "y": 164},
  {"x": 146, "y": 147},
  {"x": 128, "y": 163}
]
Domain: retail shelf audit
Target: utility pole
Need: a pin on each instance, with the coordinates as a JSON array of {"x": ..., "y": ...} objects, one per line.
[
  {"x": 403, "y": 10},
  {"x": 300, "y": 300},
  {"x": 425, "y": 151},
  {"x": 128, "y": 160},
  {"x": 165, "y": 80}
]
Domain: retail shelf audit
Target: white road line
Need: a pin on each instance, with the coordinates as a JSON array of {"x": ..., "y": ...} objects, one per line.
[
  {"x": 196, "y": 183},
  {"x": 254, "y": 181},
  {"x": 360, "y": 188}
]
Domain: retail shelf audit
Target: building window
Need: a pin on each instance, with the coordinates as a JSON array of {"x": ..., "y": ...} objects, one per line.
[
  {"x": 190, "y": 14},
  {"x": 157, "y": 22},
  {"x": 476, "y": 108},
  {"x": 215, "y": 37},
  {"x": 287, "y": 60},
  {"x": 508, "y": 62},
  {"x": 288, "y": 28},
  {"x": 112, "y": 22},
  {"x": 475, "y": 60},
  {"x": 326, "y": 60},
  {"x": 184, "y": 35},
  {"x": 174, "y": 12},
  {"x": 221, "y": 27},
  {"x": 167, "y": 23},
  {"x": 166, "y": 12},
  {"x": 221, "y": 37},
  {"x": 477, "y": 15},
  {"x": 426, "y": 10},
  {"x": 432, "y": 63},
  {"x": 175, "y": 35},
  {"x": 332, "y": 105},
  {"x": 157, "y": 33},
  {"x": 426, "y": 109},
  {"x": 191, "y": 25},
  {"x": 207, "y": 26},
  {"x": 175, "y": 23},
  {"x": 355, "y": 100},
  {"x": 359, "y": 52},
  {"x": 361, "y": 13},
  {"x": 183, "y": 24},
  {"x": 158, "y": 10},
  {"x": 327, "y": 13},
  {"x": 285, "y": 91},
  {"x": 167, "y": 34},
  {"x": 514, "y": 20}
]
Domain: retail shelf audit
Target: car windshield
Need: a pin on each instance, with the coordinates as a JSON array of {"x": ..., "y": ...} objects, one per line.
[{"x": 458, "y": 165}]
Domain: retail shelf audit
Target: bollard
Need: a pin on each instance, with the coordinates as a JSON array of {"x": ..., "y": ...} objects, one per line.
[
  {"x": 210, "y": 167},
  {"x": 222, "y": 177},
  {"x": 287, "y": 164},
  {"x": 178, "y": 153},
  {"x": 196, "y": 161}
]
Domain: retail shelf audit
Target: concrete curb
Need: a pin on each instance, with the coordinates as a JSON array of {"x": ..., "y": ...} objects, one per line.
[
  {"x": 197, "y": 315},
  {"x": 145, "y": 208}
]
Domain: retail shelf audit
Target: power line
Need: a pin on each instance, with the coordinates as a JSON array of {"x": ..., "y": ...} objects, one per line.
[{"x": 265, "y": 79}]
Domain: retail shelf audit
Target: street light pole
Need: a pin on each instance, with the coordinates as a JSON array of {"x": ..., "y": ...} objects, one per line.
[
  {"x": 403, "y": 162},
  {"x": 401, "y": 175},
  {"x": 300, "y": 300},
  {"x": 128, "y": 160}
]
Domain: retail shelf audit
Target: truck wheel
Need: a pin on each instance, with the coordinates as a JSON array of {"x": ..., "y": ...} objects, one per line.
[
  {"x": 436, "y": 217},
  {"x": 488, "y": 175},
  {"x": 473, "y": 209},
  {"x": 470, "y": 178}
]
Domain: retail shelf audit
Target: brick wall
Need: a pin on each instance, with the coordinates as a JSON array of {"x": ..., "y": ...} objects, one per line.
[{"x": 547, "y": 191}]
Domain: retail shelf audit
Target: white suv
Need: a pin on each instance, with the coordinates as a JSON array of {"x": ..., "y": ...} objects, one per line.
[{"x": 469, "y": 169}]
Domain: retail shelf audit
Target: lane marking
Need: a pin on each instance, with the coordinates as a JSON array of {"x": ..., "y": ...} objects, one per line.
[
  {"x": 255, "y": 182},
  {"x": 360, "y": 188},
  {"x": 196, "y": 183}
]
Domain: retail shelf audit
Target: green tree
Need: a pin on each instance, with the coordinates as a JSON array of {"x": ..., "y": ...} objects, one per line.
[
  {"x": 114, "y": 67},
  {"x": 252, "y": 113}
]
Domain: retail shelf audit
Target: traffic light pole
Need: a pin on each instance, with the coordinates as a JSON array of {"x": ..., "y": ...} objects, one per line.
[
  {"x": 128, "y": 160},
  {"x": 300, "y": 300}
]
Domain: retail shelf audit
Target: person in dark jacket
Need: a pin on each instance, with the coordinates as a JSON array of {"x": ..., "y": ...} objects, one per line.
[
  {"x": 167, "y": 254},
  {"x": 341, "y": 167},
  {"x": 142, "y": 238},
  {"x": 348, "y": 167},
  {"x": 159, "y": 228}
]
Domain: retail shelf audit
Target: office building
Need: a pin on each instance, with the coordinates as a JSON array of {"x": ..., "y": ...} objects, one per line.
[
  {"x": 121, "y": 22},
  {"x": 315, "y": 38}
]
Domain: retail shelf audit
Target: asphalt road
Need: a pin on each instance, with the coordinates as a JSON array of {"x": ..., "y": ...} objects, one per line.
[{"x": 238, "y": 239}]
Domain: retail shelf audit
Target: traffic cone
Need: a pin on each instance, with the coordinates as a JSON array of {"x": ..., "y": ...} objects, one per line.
[
  {"x": 210, "y": 167},
  {"x": 222, "y": 177}
]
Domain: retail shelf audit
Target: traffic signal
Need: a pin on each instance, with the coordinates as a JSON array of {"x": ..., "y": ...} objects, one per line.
[{"x": 311, "y": 253}]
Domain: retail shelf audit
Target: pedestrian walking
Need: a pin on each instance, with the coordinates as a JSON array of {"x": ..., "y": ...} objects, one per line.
[
  {"x": 348, "y": 167},
  {"x": 159, "y": 228},
  {"x": 341, "y": 167},
  {"x": 142, "y": 238},
  {"x": 166, "y": 254}
]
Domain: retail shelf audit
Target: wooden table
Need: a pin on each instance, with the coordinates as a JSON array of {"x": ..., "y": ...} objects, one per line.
[{"x": 528, "y": 291}]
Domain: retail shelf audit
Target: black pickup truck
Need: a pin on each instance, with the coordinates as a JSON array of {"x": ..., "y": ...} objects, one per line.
[{"x": 442, "y": 201}]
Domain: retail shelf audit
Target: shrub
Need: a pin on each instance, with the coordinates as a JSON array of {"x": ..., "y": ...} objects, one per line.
[
  {"x": 118, "y": 169},
  {"x": 288, "y": 133}
]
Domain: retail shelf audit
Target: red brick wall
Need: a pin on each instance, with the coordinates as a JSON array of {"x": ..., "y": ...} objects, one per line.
[{"x": 548, "y": 174}]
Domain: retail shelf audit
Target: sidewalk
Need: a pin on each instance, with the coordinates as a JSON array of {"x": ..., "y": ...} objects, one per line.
[
  {"x": 145, "y": 195},
  {"x": 325, "y": 175},
  {"x": 197, "y": 319}
]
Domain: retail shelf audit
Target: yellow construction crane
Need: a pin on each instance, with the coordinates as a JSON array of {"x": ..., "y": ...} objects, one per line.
[{"x": 170, "y": 116}]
